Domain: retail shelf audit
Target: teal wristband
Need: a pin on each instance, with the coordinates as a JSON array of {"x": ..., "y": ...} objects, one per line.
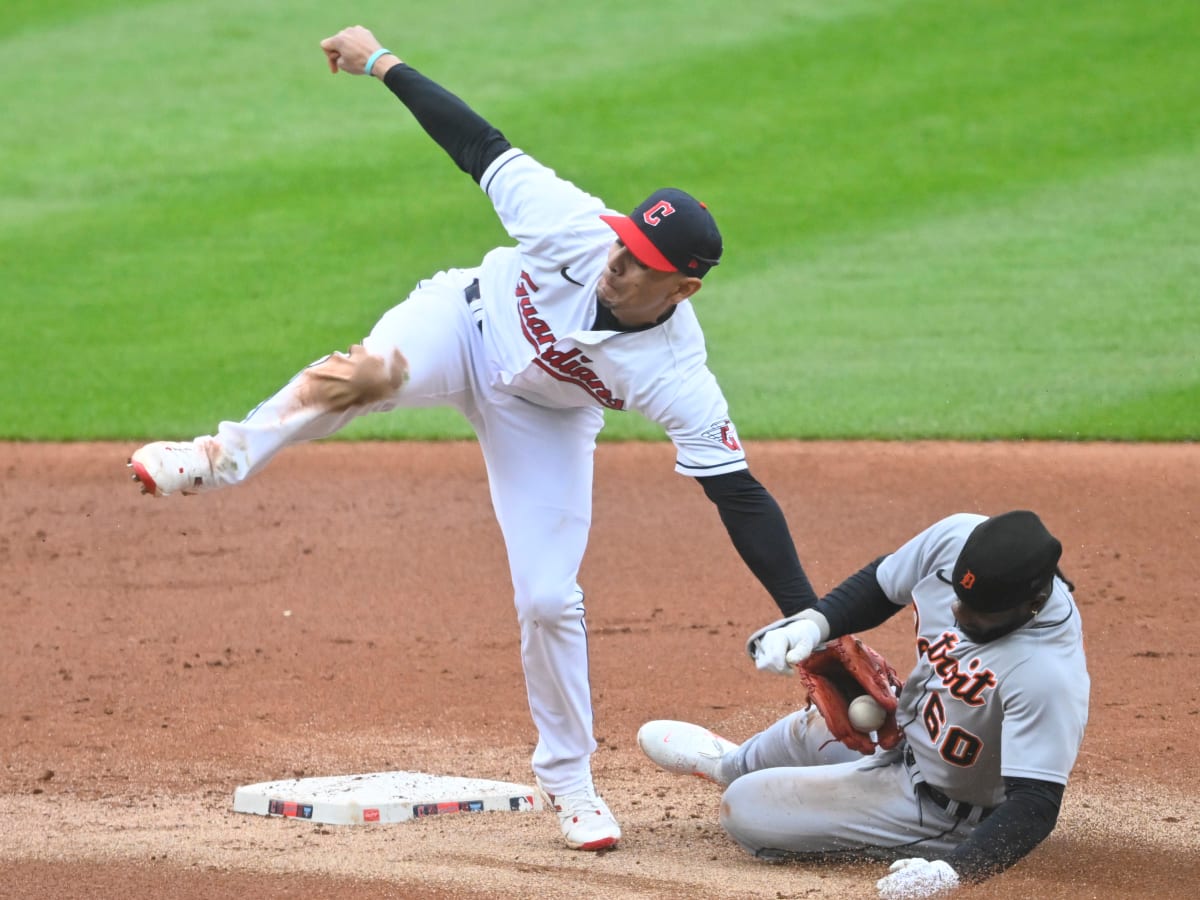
[{"x": 374, "y": 58}]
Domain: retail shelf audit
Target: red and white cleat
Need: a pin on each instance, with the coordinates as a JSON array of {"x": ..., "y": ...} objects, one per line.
[
  {"x": 585, "y": 819},
  {"x": 165, "y": 468}
]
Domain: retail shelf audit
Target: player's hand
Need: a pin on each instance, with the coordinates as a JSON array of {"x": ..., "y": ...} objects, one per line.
[
  {"x": 782, "y": 648},
  {"x": 912, "y": 879},
  {"x": 349, "y": 49}
]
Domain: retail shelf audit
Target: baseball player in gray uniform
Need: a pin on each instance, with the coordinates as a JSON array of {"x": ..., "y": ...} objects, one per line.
[
  {"x": 992, "y": 715},
  {"x": 589, "y": 310}
]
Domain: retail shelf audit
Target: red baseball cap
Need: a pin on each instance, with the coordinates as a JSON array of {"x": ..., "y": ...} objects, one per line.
[{"x": 670, "y": 231}]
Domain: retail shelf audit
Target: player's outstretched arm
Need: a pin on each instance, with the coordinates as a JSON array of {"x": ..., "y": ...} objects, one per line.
[
  {"x": 759, "y": 532},
  {"x": 352, "y": 48},
  {"x": 469, "y": 139}
]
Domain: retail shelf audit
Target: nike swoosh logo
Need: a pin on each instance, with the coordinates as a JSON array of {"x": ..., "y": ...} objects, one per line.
[{"x": 563, "y": 273}]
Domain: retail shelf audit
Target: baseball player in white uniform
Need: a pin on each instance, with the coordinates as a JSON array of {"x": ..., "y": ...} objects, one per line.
[
  {"x": 590, "y": 310},
  {"x": 992, "y": 715}
]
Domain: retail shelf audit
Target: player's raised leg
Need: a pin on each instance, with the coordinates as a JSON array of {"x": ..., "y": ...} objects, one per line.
[{"x": 418, "y": 354}]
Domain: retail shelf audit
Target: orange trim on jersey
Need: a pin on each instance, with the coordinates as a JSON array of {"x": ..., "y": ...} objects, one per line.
[{"x": 639, "y": 245}]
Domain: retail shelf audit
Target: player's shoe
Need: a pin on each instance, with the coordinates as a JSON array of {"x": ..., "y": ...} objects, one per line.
[
  {"x": 585, "y": 819},
  {"x": 685, "y": 749},
  {"x": 175, "y": 468}
]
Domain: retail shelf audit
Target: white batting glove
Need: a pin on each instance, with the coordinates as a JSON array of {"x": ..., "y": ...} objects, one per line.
[
  {"x": 782, "y": 648},
  {"x": 912, "y": 879}
]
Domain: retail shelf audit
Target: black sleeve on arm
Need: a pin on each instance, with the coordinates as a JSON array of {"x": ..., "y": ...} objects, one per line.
[
  {"x": 1025, "y": 819},
  {"x": 759, "y": 532},
  {"x": 472, "y": 142},
  {"x": 858, "y": 603}
]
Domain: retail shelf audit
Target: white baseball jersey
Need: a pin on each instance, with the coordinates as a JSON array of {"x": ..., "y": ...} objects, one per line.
[
  {"x": 976, "y": 713},
  {"x": 539, "y": 303},
  {"x": 533, "y": 381}
]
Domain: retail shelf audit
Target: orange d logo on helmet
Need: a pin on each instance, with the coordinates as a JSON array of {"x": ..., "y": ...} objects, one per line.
[{"x": 1005, "y": 561}]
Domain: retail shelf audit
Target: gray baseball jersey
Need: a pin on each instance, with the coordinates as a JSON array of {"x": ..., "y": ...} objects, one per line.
[{"x": 976, "y": 713}]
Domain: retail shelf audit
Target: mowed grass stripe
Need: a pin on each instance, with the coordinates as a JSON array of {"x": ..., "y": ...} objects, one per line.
[
  {"x": 1083, "y": 294},
  {"x": 201, "y": 229}
]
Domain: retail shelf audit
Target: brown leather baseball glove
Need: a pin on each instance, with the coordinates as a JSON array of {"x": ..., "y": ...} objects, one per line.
[{"x": 838, "y": 672}]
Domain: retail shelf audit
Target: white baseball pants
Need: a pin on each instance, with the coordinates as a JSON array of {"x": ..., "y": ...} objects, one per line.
[{"x": 539, "y": 464}]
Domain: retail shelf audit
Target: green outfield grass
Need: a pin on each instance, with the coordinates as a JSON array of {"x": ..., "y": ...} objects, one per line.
[{"x": 943, "y": 218}]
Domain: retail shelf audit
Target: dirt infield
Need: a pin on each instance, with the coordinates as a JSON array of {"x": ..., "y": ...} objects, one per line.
[{"x": 349, "y": 611}]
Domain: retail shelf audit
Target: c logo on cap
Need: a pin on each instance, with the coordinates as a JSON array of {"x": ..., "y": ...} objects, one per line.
[
  {"x": 968, "y": 580},
  {"x": 651, "y": 216}
]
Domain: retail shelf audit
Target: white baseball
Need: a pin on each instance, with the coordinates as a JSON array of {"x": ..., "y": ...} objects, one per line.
[{"x": 866, "y": 714}]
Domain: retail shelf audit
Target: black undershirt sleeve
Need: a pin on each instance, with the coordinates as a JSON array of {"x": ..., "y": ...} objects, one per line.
[
  {"x": 858, "y": 603},
  {"x": 470, "y": 140},
  {"x": 759, "y": 532},
  {"x": 1025, "y": 819}
]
